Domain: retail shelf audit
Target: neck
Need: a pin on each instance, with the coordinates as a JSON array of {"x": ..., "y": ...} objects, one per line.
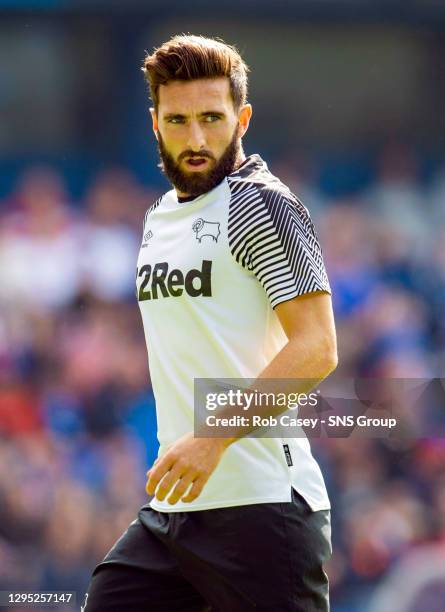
[{"x": 239, "y": 160}]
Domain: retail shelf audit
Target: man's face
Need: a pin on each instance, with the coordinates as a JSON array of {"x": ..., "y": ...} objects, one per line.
[{"x": 199, "y": 133}]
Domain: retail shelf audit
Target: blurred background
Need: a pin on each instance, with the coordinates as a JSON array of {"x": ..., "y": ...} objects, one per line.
[{"x": 348, "y": 100}]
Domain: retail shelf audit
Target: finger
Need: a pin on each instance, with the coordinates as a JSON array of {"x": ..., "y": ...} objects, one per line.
[
  {"x": 153, "y": 466},
  {"x": 157, "y": 473},
  {"x": 181, "y": 487},
  {"x": 196, "y": 489},
  {"x": 168, "y": 482}
]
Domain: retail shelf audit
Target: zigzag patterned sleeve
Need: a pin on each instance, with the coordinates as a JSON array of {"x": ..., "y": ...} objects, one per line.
[
  {"x": 272, "y": 235},
  {"x": 150, "y": 209}
]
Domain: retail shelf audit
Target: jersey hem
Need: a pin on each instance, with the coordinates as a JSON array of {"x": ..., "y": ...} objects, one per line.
[{"x": 236, "y": 502}]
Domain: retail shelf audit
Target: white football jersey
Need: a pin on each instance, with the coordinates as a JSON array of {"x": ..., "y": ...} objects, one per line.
[{"x": 210, "y": 272}]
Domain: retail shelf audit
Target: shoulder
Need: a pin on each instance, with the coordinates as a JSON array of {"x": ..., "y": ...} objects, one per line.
[
  {"x": 254, "y": 187},
  {"x": 153, "y": 206}
]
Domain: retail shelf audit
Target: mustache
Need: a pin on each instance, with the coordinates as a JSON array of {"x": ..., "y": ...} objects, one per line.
[{"x": 193, "y": 154}]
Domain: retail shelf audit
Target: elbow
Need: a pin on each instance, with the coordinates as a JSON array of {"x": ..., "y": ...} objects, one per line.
[
  {"x": 332, "y": 362},
  {"x": 330, "y": 355}
]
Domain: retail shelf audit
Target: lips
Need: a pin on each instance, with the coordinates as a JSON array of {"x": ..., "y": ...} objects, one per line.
[{"x": 197, "y": 161}]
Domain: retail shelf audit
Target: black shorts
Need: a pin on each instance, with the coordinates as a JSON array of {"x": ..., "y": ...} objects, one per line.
[{"x": 257, "y": 557}]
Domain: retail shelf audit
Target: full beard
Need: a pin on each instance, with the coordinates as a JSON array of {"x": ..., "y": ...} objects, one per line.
[{"x": 197, "y": 183}]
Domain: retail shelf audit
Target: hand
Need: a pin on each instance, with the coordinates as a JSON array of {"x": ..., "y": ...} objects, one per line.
[{"x": 189, "y": 461}]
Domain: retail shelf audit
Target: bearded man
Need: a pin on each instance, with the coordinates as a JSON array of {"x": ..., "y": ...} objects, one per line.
[{"x": 231, "y": 284}]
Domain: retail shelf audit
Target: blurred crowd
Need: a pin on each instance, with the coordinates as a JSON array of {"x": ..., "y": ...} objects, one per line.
[{"x": 77, "y": 416}]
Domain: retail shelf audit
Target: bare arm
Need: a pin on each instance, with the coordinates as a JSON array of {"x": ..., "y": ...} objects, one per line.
[{"x": 310, "y": 353}]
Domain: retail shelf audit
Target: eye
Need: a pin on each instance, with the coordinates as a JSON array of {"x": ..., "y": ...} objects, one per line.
[
  {"x": 175, "y": 120},
  {"x": 211, "y": 118}
]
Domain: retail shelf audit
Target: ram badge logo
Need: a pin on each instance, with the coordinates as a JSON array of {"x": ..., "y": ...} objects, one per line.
[{"x": 206, "y": 228}]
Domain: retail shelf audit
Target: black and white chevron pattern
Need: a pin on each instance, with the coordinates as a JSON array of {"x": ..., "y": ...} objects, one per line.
[
  {"x": 271, "y": 234},
  {"x": 149, "y": 210}
]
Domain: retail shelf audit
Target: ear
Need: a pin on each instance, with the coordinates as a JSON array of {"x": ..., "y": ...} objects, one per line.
[
  {"x": 245, "y": 114},
  {"x": 154, "y": 119}
]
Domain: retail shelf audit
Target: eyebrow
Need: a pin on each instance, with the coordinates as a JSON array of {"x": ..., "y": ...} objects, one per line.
[{"x": 204, "y": 114}]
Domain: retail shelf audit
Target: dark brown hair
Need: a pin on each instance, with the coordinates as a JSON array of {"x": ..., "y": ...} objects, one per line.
[{"x": 186, "y": 57}]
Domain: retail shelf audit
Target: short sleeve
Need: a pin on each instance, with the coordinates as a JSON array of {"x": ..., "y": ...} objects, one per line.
[{"x": 274, "y": 237}]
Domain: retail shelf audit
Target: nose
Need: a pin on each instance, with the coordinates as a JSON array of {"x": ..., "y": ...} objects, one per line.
[{"x": 196, "y": 139}]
